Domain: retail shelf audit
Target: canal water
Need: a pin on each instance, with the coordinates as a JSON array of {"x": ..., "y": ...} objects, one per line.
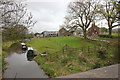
[{"x": 20, "y": 66}]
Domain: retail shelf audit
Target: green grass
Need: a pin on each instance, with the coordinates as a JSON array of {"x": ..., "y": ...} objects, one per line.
[
  {"x": 7, "y": 44},
  {"x": 55, "y": 44},
  {"x": 114, "y": 38},
  {"x": 79, "y": 55},
  {"x": 113, "y": 34},
  {"x": 4, "y": 54},
  {"x": 0, "y": 63}
]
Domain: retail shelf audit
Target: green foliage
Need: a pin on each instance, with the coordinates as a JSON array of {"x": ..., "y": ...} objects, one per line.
[
  {"x": 104, "y": 30},
  {"x": 5, "y": 47},
  {"x": 101, "y": 52},
  {"x": 97, "y": 64},
  {"x": 3, "y": 62},
  {"x": 64, "y": 61},
  {"x": 114, "y": 36},
  {"x": 73, "y": 59},
  {"x": 14, "y": 33},
  {"x": 116, "y": 57},
  {"x": 109, "y": 11},
  {"x": 15, "y": 20}
]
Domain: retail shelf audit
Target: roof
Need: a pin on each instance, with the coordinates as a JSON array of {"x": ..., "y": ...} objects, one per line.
[
  {"x": 62, "y": 29},
  {"x": 22, "y": 43}
]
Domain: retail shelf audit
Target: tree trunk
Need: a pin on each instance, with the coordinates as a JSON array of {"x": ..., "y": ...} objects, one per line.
[
  {"x": 85, "y": 35},
  {"x": 110, "y": 28},
  {"x": 110, "y": 31}
]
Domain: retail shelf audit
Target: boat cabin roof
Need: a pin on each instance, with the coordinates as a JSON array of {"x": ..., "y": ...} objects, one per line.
[{"x": 22, "y": 43}]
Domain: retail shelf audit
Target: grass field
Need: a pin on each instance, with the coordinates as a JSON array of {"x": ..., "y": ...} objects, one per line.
[
  {"x": 113, "y": 34},
  {"x": 68, "y": 55}
]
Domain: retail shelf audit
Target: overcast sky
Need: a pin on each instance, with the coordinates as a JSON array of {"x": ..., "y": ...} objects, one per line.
[{"x": 49, "y": 15}]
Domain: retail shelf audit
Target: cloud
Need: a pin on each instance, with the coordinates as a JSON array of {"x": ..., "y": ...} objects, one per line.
[
  {"x": 45, "y": 26},
  {"x": 47, "y": 0},
  {"x": 49, "y": 15}
]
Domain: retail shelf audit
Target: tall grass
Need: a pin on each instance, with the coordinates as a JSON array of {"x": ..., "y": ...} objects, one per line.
[{"x": 80, "y": 54}]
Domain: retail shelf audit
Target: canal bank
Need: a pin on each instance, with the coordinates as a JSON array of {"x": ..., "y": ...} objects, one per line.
[{"x": 19, "y": 66}]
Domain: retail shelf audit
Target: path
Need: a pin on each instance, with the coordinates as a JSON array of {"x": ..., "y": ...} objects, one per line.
[
  {"x": 94, "y": 39},
  {"x": 105, "y": 72}
]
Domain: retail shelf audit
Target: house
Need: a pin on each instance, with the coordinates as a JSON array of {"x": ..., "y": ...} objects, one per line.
[
  {"x": 38, "y": 35},
  {"x": 64, "y": 32},
  {"x": 93, "y": 30},
  {"x": 77, "y": 32},
  {"x": 50, "y": 33}
]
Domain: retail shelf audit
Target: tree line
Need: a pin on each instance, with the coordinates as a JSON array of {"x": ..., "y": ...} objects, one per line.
[
  {"x": 14, "y": 20},
  {"x": 80, "y": 14}
]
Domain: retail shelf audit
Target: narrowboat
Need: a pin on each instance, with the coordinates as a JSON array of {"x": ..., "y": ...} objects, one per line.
[
  {"x": 24, "y": 46},
  {"x": 30, "y": 52}
]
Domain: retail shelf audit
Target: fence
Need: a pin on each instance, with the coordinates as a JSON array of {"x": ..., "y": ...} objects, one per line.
[
  {"x": 87, "y": 49},
  {"x": 101, "y": 49}
]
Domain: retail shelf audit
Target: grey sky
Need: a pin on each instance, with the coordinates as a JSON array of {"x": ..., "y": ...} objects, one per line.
[{"x": 49, "y": 15}]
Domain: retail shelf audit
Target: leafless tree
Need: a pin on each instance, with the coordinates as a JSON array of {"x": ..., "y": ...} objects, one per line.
[
  {"x": 14, "y": 15},
  {"x": 81, "y": 14}
]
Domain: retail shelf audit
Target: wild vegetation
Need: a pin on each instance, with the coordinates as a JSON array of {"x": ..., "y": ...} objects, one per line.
[
  {"x": 109, "y": 11},
  {"x": 14, "y": 23},
  {"x": 68, "y": 55},
  {"x": 80, "y": 14},
  {"x": 14, "y": 20},
  {"x": 4, "y": 54}
]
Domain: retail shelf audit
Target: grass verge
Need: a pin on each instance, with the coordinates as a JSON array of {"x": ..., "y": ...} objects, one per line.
[{"x": 69, "y": 55}]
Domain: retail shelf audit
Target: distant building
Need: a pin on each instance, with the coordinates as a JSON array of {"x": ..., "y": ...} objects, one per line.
[
  {"x": 38, "y": 35},
  {"x": 50, "y": 33},
  {"x": 77, "y": 32},
  {"x": 93, "y": 30},
  {"x": 64, "y": 32}
]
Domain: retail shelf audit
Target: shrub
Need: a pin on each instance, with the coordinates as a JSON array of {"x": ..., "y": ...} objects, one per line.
[
  {"x": 116, "y": 57},
  {"x": 107, "y": 36},
  {"x": 48, "y": 70},
  {"x": 101, "y": 52},
  {"x": 65, "y": 60},
  {"x": 97, "y": 65}
]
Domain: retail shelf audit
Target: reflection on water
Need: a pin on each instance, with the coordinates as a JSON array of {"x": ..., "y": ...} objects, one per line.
[
  {"x": 21, "y": 66},
  {"x": 30, "y": 58}
]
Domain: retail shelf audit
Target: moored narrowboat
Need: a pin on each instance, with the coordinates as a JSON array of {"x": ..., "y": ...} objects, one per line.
[
  {"x": 24, "y": 46},
  {"x": 30, "y": 52}
]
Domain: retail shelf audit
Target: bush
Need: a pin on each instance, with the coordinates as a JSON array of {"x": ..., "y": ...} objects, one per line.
[
  {"x": 65, "y": 60},
  {"x": 48, "y": 70},
  {"x": 107, "y": 36},
  {"x": 97, "y": 65},
  {"x": 101, "y": 52},
  {"x": 116, "y": 57}
]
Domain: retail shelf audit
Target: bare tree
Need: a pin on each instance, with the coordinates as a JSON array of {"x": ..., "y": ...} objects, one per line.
[
  {"x": 109, "y": 12},
  {"x": 81, "y": 14},
  {"x": 13, "y": 14}
]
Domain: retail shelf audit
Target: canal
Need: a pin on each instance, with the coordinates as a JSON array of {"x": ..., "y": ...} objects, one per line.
[{"x": 20, "y": 66}]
